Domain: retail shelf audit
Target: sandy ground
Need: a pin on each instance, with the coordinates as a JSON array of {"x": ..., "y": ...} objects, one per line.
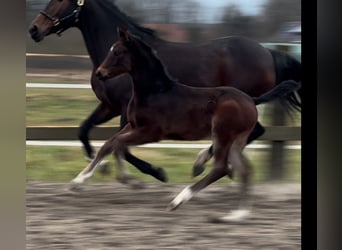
[{"x": 114, "y": 216}]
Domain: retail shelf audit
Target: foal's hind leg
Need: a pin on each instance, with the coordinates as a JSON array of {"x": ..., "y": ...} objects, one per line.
[
  {"x": 218, "y": 171},
  {"x": 240, "y": 164},
  {"x": 203, "y": 157}
]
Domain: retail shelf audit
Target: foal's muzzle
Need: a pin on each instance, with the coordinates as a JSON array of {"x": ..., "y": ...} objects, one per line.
[{"x": 101, "y": 74}]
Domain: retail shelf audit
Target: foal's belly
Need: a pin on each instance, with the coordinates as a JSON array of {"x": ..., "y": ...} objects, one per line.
[
  {"x": 188, "y": 133},
  {"x": 186, "y": 126}
]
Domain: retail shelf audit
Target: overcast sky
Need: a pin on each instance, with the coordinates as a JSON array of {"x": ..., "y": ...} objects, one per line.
[{"x": 213, "y": 7}]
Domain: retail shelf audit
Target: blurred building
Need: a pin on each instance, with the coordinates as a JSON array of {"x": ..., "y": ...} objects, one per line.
[{"x": 289, "y": 32}]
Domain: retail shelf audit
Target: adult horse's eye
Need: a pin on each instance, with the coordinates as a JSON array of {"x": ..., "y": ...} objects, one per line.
[{"x": 116, "y": 53}]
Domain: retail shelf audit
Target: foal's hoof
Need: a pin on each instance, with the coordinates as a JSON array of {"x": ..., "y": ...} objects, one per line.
[
  {"x": 131, "y": 181},
  {"x": 235, "y": 216},
  {"x": 104, "y": 167},
  {"x": 230, "y": 171},
  {"x": 75, "y": 186},
  {"x": 161, "y": 175},
  {"x": 181, "y": 198},
  {"x": 173, "y": 206},
  {"x": 197, "y": 170}
]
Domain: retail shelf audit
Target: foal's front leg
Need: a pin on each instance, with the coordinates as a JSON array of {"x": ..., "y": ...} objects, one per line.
[
  {"x": 133, "y": 137},
  {"x": 105, "y": 150}
]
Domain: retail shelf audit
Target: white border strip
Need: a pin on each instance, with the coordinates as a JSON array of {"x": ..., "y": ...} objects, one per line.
[
  {"x": 150, "y": 145},
  {"x": 57, "y": 85}
]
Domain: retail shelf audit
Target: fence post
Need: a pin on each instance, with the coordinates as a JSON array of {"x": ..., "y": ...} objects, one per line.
[{"x": 277, "y": 152}]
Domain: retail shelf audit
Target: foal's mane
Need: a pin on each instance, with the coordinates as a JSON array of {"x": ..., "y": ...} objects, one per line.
[
  {"x": 110, "y": 6},
  {"x": 151, "y": 57}
]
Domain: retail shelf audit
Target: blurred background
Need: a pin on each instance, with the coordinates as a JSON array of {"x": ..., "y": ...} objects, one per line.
[{"x": 273, "y": 23}]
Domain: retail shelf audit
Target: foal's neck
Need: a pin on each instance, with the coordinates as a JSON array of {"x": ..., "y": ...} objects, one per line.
[{"x": 149, "y": 79}]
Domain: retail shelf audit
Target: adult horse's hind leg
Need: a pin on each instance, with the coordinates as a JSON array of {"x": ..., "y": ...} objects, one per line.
[{"x": 258, "y": 131}]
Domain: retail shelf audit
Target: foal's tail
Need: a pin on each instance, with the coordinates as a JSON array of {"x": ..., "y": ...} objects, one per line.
[
  {"x": 288, "y": 68},
  {"x": 281, "y": 91}
]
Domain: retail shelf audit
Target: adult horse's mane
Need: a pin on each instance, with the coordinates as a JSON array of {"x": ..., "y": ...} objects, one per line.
[{"x": 110, "y": 6}]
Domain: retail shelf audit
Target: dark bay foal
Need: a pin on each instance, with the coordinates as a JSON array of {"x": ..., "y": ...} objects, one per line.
[{"x": 162, "y": 108}]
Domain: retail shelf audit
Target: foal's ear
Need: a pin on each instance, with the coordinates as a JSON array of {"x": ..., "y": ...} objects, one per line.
[{"x": 123, "y": 34}]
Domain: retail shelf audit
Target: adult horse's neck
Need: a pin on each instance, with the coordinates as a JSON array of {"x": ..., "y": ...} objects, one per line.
[{"x": 98, "y": 22}]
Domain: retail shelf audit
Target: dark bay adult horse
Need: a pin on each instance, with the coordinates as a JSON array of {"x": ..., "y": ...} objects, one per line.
[
  {"x": 229, "y": 61},
  {"x": 163, "y": 108}
]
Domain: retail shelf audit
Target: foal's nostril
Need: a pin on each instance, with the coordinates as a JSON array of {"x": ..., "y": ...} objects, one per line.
[{"x": 99, "y": 74}]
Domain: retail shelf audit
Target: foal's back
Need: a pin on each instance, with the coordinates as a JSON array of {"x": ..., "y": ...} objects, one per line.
[{"x": 189, "y": 113}]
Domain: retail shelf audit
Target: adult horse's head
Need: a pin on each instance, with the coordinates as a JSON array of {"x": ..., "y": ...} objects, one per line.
[
  {"x": 57, "y": 16},
  {"x": 118, "y": 59}
]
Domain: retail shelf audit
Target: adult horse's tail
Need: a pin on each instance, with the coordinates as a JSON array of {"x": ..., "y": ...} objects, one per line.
[
  {"x": 281, "y": 91},
  {"x": 288, "y": 68}
]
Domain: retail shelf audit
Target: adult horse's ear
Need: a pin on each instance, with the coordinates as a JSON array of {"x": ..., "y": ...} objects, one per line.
[{"x": 123, "y": 34}]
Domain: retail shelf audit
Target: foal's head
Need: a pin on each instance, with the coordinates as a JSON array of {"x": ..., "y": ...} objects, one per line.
[
  {"x": 118, "y": 59},
  {"x": 130, "y": 54}
]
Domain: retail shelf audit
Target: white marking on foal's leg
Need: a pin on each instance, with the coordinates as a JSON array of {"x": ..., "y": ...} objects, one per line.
[
  {"x": 103, "y": 166},
  {"x": 236, "y": 215},
  {"x": 182, "y": 197},
  {"x": 80, "y": 178}
]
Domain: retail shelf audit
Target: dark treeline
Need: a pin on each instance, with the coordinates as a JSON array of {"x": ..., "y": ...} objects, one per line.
[{"x": 188, "y": 15}]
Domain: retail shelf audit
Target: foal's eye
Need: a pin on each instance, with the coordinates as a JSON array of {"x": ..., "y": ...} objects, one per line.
[{"x": 116, "y": 53}]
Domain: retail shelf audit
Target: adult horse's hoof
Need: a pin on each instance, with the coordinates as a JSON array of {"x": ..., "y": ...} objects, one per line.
[
  {"x": 161, "y": 175},
  {"x": 197, "y": 170},
  {"x": 104, "y": 167}
]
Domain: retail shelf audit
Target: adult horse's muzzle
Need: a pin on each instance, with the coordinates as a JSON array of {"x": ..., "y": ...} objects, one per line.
[{"x": 36, "y": 35}]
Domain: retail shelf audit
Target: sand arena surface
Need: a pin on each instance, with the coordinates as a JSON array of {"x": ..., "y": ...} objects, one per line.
[{"x": 114, "y": 216}]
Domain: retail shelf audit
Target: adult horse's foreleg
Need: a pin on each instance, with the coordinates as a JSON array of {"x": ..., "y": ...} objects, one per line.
[
  {"x": 143, "y": 166},
  {"x": 107, "y": 148},
  {"x": 218, "y": 171},
  {"x": 100, "y": 115}
]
